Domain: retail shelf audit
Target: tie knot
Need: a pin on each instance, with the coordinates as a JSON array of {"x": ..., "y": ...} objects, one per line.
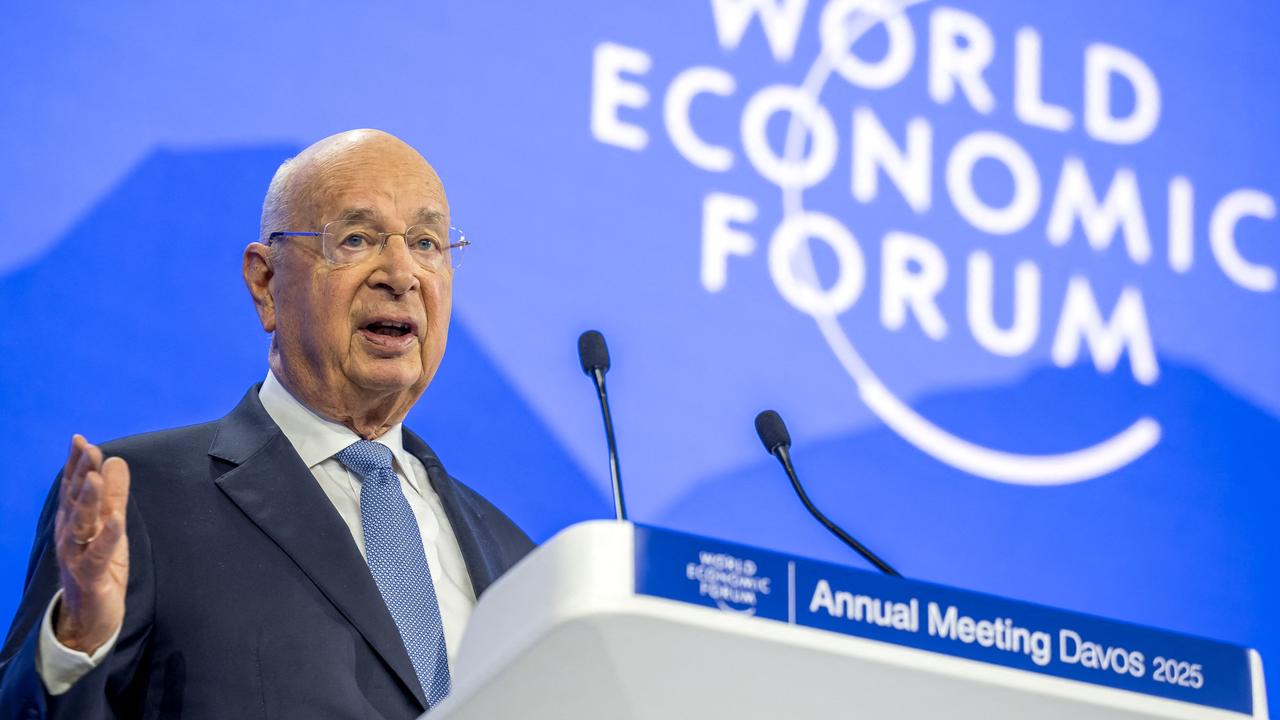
[{"x": 365, "y": 457}]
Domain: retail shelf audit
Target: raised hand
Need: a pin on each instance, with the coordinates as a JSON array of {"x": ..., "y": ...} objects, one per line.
[{"x": 92, "y": 546}]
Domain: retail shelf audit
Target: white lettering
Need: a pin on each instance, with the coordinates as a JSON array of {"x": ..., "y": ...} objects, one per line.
[
  {"x": 981, "y": 306},
  {"x": 952, "y": 62},
  {"x": 1222, "y": 238},
  {"x": 822, "y": 598},
  {"x": 687, "y": 85},
  {"x": 1082, "y": 321},
  {"x": 910, "y": 170},
  {"x": 1121, "y": 208},
  {"x": 900, "y": 287},
  {"x": 837, "y": 45},
  {"x": 720, "y": 239},
  {"x": 807, "y": 297},
  {"x": 1101, "y": 62},
  {"x": 609, "y": 92},
  {"x": 1026, "y": 183},
  {"x": 1027, "y": 102},
  {"x": 1181, "y": 221},
  {"x": 1069, "y": 639},
  {"x": 806, "y": 172},
  {"x": 943, "y": 625},
  {"x": 780, "y": 19}
]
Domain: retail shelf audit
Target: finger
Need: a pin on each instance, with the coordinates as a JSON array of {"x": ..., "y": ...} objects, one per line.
[
  {"x": 75, "y": 483},
  {"x": 91, "y": 458},
  {"x": 94, "y": 455},
  {"x": 86, "y": 509},
  {"x": 115, "y": 490},
  {"x": 68, "y": 469},
  {"x": 84, "y": 465}
]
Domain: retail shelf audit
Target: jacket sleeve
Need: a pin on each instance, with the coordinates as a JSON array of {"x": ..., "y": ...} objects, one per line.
[{"x": 113, "y": 689}]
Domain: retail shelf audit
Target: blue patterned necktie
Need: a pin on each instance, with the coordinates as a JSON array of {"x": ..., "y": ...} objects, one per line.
[{"x": 393, "y": 549}]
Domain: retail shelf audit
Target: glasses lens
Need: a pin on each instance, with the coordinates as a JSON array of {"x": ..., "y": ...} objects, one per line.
[
  {"x": 436, "y": 247},
  {"x": 429, "y": 245},
  {"x": 458, "y": 244},
  {"x": 433, "y": 246},
  {"x": 350, "y": 242}
]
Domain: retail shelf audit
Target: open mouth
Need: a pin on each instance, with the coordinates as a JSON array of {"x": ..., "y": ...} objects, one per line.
[
  {"x": 390, "y": 334},
  {"x": 389, "y": 329}
]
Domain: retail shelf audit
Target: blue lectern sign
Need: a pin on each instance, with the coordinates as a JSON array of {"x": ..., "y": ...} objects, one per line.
[{"x": 759, "y": 583}]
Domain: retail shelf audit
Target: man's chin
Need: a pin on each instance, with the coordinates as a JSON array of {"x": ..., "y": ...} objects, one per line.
[{"x": 384, "y": 375}]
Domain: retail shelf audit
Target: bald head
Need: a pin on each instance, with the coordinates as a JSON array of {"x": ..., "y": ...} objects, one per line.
[{"x": 304, "y": 183}]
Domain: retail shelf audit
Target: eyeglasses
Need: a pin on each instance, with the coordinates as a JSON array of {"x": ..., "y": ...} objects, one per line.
[{"x": 344, "y": 242}]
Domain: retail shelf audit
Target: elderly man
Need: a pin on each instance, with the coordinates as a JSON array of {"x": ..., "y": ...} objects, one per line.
[{"x": 305, "y": 556}]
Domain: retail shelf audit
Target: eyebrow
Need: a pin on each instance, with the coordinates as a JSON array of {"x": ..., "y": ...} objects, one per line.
[{"x": 425, "y": 215}]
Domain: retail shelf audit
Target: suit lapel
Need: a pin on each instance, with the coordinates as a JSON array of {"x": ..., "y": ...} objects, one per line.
[
  {"x": 273, "y": 487},
  {"x": 480, "y": 551}
]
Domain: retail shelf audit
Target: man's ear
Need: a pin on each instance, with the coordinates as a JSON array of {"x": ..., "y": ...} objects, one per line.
[{"x": 257, "y": 277}]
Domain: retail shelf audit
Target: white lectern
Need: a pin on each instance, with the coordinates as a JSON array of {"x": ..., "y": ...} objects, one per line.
[{"x": 612, "y": 620}]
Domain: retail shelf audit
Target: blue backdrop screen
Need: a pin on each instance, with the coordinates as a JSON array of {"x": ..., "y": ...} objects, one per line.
[{"x": 1009, "y": 271}]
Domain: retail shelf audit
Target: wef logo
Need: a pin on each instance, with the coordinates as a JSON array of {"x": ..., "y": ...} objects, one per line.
[
  {"x": 733, "y": 584},
  {"x": 790, "y": 135}
]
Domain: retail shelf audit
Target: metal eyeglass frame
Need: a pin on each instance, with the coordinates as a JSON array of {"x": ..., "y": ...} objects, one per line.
[{"x": 462, "y": 243}]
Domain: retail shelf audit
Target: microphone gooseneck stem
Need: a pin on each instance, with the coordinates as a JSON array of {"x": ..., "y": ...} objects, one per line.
[
  {"x": 784, "y": 457},
  {"x": 615, "y": 471}
]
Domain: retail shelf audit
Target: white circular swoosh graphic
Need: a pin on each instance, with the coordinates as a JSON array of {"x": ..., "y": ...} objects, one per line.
[{"x": 1057, "y": 469}]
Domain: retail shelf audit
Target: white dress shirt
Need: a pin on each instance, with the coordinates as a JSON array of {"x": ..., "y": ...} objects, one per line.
[{"x": 317, "y": 440}]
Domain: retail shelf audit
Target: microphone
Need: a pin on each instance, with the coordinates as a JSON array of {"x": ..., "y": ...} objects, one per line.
[
  {"x": 773, "y": 433},
  {"x": 594, "y": 356}
]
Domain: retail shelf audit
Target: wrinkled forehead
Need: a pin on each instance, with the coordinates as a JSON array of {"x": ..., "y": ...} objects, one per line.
[
  {"x": 357, "y": 212},
  {"x": 391, "y": 190}
]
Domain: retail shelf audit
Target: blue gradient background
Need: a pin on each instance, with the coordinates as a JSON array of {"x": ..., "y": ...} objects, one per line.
[{"x": 138, "y": 141}]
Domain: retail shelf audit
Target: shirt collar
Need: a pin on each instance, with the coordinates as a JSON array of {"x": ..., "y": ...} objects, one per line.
[{"x": 317, "y": 438}]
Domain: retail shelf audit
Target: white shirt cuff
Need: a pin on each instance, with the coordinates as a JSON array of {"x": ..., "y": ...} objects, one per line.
[{"x": 60, "y": 666}]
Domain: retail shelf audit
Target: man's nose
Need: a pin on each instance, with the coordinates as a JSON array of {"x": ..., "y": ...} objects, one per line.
[{"x": 397, "y": 270}]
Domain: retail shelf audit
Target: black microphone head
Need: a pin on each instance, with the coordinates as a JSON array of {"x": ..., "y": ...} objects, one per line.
[
  {"x": 592, "y": 351},
  {"x": 773, "y": 433}
]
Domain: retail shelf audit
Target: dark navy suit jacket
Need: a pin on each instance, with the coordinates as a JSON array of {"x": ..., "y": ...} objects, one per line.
[{"x": 247, "y": 596}]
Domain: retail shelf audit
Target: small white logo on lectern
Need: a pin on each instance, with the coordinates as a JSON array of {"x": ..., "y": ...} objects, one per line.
[{"x": 731, "y": 582}]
